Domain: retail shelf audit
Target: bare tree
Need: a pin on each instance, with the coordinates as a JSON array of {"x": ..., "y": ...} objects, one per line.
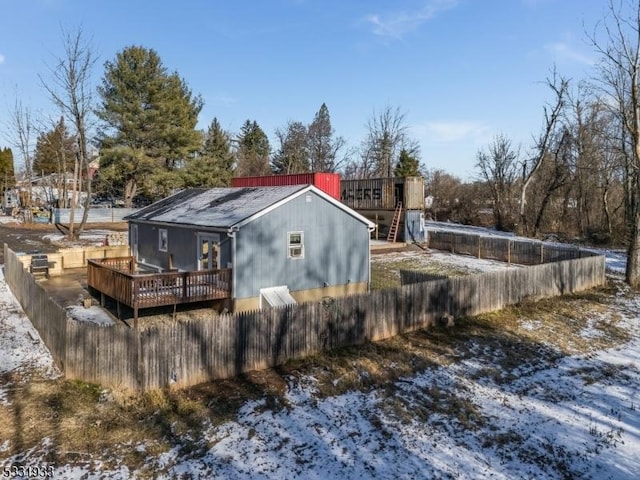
[
  {"x": 452, "y": 200},
  {"x": 553, "y": 176},
  {"x": 619, "y": 77},
  {"x": 21, "y": 127},
  {"x": 596, "y": 167},
  {"x": 70, "y": 89},
  {"x": 498, "y": 168},
  {"x": 387, "y": 136},
  {"x": 552, "y": 113}
]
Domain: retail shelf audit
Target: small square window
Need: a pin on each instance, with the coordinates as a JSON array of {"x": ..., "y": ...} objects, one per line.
[
  {"x": 163, "y": 240},
  {"x": 295, "y": 245}
]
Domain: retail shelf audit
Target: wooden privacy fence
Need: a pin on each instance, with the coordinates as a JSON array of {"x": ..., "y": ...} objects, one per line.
[
  {"x": 190, "y": 352},
  {"x": 504, "y": 249},
  {"x": 408, "y": 277},
  {"x": 98, "y": 354}
]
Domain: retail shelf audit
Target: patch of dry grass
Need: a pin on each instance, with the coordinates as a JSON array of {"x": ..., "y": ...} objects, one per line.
[
  {"x": 83, "y": 420},
  {"x": 573, "y": 324},
  {"x": 428, "y": 402},
  {"x": 386, "y": 274}
]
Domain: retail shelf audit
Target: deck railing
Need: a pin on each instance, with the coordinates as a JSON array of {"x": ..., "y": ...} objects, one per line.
[{"x": 117, "y": 278}]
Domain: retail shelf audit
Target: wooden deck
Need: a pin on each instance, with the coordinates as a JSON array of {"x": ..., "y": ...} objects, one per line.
[{"x": 118, "y": 278}]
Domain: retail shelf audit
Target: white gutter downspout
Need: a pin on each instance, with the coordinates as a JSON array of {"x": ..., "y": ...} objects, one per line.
[{"x": 231, "y": 233}]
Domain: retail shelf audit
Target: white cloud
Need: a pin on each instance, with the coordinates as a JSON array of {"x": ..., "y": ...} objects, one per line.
[
  {"x": 563, "y": 52},
  {"x": 397, "y": 24},
  {"x": 453, "y": 131},
  {"x": 1, "y": 59}
]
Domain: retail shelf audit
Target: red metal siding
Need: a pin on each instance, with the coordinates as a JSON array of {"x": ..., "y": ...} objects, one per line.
[{"x": 327, "y": 182}]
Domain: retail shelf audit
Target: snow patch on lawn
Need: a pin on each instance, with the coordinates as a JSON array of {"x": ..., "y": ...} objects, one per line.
[
  {"x": 93, "y": 314},
  {"x": 22, "y": 350},
  {"x": 451, "y": 261}
]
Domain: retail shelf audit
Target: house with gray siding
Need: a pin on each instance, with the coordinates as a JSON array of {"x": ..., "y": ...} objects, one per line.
[{"x": 283, "y": 244}]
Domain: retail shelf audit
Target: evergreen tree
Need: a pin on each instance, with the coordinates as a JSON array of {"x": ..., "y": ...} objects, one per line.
[
  {"x": 7, "y": 174},
  {"x": 323, "y": 147},
  {"x": 292, "y": 156},
  {"x": 213, "y": 165},
  {"x": 408, "y": 165},
  {"x": 149, "y": 120},
  {"x": 54, "y": 151},
  {"x": 252, "y": 154}
]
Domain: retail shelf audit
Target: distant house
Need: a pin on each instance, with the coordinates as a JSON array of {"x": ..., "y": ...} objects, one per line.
[{"x": 283, "y": 244}]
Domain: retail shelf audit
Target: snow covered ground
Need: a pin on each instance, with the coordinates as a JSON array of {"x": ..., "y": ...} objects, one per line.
[
  {"x": 615, "y": 259},
  {"x": 21, "y": 349},
  {"x": 561, "y": 416},
  {"x": 588, "y": 430}
]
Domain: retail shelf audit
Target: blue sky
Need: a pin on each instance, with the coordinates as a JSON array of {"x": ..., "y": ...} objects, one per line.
[{"x": 462, "y": 70}]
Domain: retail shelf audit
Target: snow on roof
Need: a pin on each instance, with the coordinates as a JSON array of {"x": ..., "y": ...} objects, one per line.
[
  {"x": 215, "y": 207},
  {"x": 227, "y": 207}
]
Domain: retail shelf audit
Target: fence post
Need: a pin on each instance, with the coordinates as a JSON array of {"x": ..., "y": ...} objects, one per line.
[
  {"x": 509, "y": 252},
  {"x": 541, "y": 253},
  {"x": 479, "y": 242}
]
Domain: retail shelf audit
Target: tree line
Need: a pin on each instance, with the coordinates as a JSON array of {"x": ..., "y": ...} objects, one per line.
[
  {"x": 141, "y": 120},
  {"x": 571, "y": 181}
]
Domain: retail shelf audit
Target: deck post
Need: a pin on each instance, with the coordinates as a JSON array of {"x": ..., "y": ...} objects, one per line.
[{"x": 184, "y": 285}]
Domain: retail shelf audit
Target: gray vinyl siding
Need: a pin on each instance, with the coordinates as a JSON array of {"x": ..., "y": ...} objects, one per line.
[
  {"x": 336, "y": 248},
  {"x": 148, "y": 246},
  {"x": 182, "y": 244}
]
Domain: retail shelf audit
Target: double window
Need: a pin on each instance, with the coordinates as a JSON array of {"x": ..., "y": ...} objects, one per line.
[{"x": 295, "y": 244}]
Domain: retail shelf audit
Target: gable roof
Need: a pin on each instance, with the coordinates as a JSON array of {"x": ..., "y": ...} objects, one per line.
[{"x": 227, "y": 207}]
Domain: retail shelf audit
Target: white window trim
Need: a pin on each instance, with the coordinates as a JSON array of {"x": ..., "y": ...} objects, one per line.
[
  {"x": 162, "y": 232},
  {"x": 290, "y": 246}
]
